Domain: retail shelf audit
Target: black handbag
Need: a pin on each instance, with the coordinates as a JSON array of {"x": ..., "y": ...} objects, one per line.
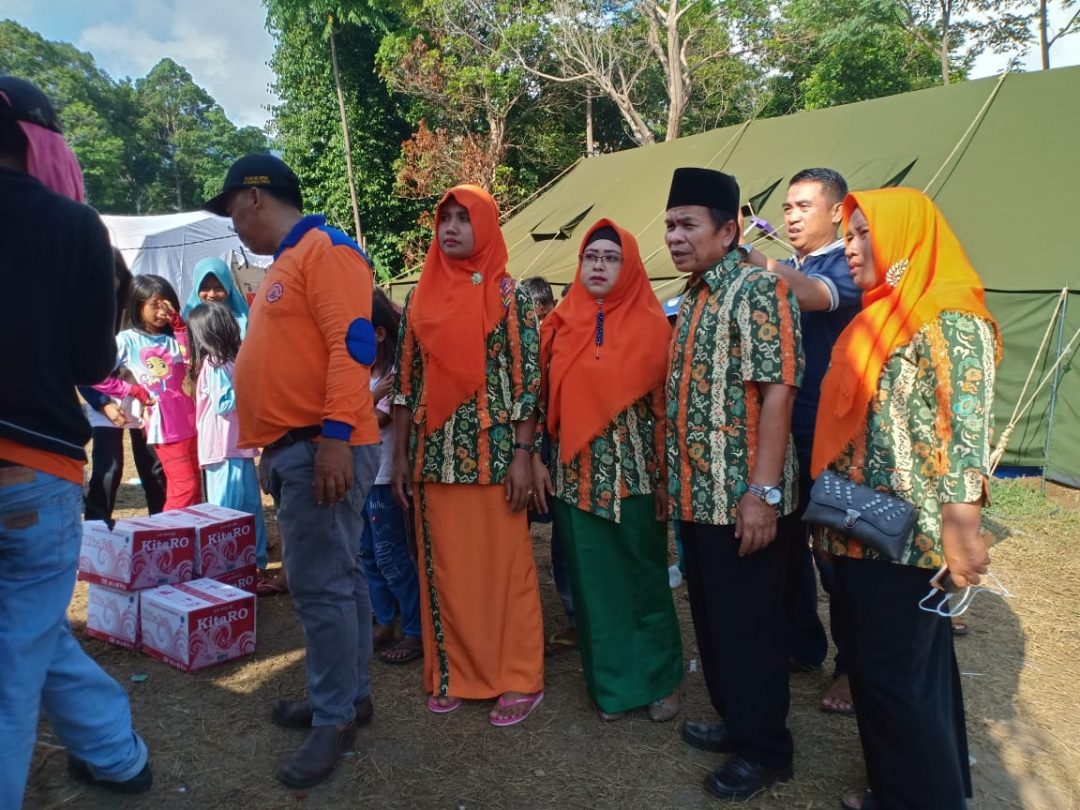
[{"x": 878, "y": 520}]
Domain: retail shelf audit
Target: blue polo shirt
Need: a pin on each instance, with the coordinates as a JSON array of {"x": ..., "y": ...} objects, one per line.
[{"x": 819, "y": 332}]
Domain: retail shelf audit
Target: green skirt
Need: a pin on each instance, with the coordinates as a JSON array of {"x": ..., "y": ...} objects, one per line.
[{"x": 628, "y": 634}]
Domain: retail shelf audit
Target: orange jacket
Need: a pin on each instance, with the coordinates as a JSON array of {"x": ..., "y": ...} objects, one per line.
[{"x": 309, "y": 346}]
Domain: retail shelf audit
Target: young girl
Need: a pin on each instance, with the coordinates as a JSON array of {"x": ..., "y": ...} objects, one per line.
[
  {"x": 154, "y": 349},
  {"x": 213, "y": 284},
  {"x": 389, "y": 566},
  {"x": 110, "y": 412},
  {"x": 231, "y": 479}
]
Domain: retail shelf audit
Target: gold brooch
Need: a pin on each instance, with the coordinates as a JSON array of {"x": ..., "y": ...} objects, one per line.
[
  {"x": 477, "y": 278},
  {"x": 896, "y": 272}
]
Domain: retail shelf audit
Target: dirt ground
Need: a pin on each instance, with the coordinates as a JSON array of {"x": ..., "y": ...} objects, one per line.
[{"x": 213, "y": 745}]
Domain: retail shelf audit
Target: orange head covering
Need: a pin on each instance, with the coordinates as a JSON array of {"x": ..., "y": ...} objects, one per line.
[
  {"x": 458, "y": 302},
  {"x": 921, "y": 272},
  {"x": 588, "y": 385}
]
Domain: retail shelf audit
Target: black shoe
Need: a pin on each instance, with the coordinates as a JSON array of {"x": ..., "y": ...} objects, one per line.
[
  {"x": 317, "y": 756},
  {"x": 707, "y": 736},
  {"x": 297, "y": 713},
  {"x": 139, "y": 783},
  {"x": 739, "y": 779}
]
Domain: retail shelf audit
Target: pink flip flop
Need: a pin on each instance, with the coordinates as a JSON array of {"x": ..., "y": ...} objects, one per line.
[
  {"x": 438, "y": 708},
  {"x": 502, "y": 703}
]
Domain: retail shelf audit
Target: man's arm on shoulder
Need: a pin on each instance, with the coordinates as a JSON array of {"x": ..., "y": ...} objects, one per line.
[{"x": 812, "y": 294}]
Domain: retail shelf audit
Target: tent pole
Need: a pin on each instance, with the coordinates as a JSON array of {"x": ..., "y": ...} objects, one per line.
[
  {"x": 1054, "y": 390},
  {"x": 345, "y": 135}
]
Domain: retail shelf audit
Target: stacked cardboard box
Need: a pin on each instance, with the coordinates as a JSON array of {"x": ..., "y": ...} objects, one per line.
[{"x": 146, "y": 561}]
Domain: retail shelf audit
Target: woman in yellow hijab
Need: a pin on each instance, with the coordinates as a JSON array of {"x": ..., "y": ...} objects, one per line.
[{"x": 906, "y": 408}]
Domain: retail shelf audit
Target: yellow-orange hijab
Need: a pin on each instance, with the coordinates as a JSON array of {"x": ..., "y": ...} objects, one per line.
[
  {"x": 588, "y": 385},
  {"x": 921, "y": 271},
  {"x": 457, "y": 303}
]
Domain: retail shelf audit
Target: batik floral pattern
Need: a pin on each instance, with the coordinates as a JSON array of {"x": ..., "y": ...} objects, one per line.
[
  {"x": 928, "y": 431},
  {"x": 475, "y": 445},
  {"x": 738, "y": 328},
  {"x": 623, "y": 461}
]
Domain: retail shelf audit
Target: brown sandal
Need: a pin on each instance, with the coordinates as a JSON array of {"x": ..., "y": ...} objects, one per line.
[{"x": 405, "y": 651}]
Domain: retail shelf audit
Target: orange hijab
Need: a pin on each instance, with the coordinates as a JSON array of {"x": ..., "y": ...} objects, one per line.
[
  {"x": 921, "y": 271},
  {"x": 588, "y": 386},
  {"x": 457, "y": 303}
]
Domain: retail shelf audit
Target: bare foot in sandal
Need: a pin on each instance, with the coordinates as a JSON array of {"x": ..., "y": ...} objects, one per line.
[
  {"x": 513, "y": 707},
  {"x": 837, "y": 699},
  {"x": 382, "y": 636},
  {"x": 405, "y": 651}
]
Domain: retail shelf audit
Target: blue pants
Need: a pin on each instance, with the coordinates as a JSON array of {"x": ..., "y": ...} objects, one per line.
[
  {"x": 322, "y": 560},
  {"x": 389, "y": 566},
  {"x": 43, "y": 666},
  {"x": 234, "y": 483}
]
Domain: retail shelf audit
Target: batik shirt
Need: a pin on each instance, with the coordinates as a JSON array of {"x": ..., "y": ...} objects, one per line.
[
  {"x": 944, "y": 377},
  {"x": 626, "y": 459},
  {"x": 476, "y": 444},
  {"x": 738, "y": 327}
]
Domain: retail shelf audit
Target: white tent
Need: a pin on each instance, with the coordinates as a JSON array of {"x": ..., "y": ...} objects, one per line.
[{"x": 171, "y": 244}]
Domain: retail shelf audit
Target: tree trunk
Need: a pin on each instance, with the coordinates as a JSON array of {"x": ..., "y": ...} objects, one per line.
[
  {"x": 345, "y": 138},
  {"x": 678, "y": 82},
  {"x": 946, "y": 8},
  {"x": 1044, "y": 42},
  {"x": 588, "y": 126}
]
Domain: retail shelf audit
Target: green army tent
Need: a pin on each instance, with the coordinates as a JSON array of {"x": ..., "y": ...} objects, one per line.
[{"x": 999, "y": 156}]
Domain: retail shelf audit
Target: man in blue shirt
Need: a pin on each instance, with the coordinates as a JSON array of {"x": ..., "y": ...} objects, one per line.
[{"x": 828, "y": 298}]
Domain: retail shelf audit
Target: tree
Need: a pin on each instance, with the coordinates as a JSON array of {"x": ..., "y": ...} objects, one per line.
[
  {"x": 308, "y": 128},
  {"x": 1048, "y": 38}
]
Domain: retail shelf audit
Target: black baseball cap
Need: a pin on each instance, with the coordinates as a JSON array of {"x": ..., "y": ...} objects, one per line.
[
  {"x": 256, "y": 171},
  {"x": 25, "y": 102}
]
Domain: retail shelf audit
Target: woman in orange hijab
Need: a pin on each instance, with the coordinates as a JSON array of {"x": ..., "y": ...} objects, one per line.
[
  {"x": 467, "y": 386},
  {"x": 604, "y": 362},
  {"x": 906, "y": 408}
]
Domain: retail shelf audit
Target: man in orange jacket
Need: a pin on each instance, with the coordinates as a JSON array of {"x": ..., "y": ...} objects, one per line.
[{"x": 302, "y": 394}]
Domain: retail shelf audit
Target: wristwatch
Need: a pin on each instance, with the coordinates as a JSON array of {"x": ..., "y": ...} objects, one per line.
[{"x": 770, "y": 494}]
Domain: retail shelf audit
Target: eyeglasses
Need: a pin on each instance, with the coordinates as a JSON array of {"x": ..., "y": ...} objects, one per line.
[{"x": 609, "y": 259}]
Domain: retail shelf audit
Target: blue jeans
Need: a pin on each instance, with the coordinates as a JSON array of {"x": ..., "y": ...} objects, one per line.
[
  {"x": 43, "y": 666},
  {"x": 388, "y": 564},
  {"x": 321, "y": 553}
]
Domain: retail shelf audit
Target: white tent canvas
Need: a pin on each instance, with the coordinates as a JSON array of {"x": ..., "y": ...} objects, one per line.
[{"x": 170, "y": 245}]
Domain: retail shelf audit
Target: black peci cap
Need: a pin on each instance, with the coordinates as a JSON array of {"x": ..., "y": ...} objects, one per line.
[
  {"x": 255, "y": 171},
  {"x": 707, "y": 187},
  {"x": 25, "y": 102}
]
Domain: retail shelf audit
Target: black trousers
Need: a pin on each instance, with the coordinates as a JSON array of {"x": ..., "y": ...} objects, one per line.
[
  {"x": 906, "y": 687},
  {"x": 738, "y": 608},
  {"x": 809, "y": 646},
  {"x": 107, "y": 471}
]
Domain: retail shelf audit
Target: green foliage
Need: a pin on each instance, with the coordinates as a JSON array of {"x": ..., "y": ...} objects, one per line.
[
  {"x": 160, "y": 145},
  {"x": 308, "y": 130},
  {"x": 829, "y": 52}
]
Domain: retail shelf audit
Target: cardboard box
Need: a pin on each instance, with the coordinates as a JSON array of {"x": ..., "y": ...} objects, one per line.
[
  {"x": 224, "y": 538},
  {"x": 137, "y": 553},
  {"x": 196, "y": 624},
  {"x": 246, "y": 578},
  {"x": 113, "y": 616}
]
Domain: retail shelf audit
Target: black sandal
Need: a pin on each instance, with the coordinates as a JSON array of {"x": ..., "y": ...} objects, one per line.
[{"x": 405, "y": 651}]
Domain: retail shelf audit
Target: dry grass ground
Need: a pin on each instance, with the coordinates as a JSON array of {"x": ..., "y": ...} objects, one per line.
[{"x": 213, "y": 745}]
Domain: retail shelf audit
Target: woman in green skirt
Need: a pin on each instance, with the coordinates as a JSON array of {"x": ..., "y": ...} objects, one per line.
[{"x": 604, "y": 359}]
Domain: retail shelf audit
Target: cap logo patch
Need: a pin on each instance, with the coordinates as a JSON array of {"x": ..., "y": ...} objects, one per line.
[
  {"x": 256, "y": 180},
  {"x": 273, "y": 295}
]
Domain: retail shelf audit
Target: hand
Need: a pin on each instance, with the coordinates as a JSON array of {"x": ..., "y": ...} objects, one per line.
[
  {"x": 382, "y": 388},
  {"x": 401, "y": 481},
  {"x": 175, "y": 321},
  {"x": 755, "y": 524},
  {"x": 519, "y": 480},
  {"x": 965, "y": 551},
  {"x": 661, "y": 497},
  {"x": 544, "y": 486},
  {"x": 115, "y": 414},
  {"x": 333, "y": 471}
]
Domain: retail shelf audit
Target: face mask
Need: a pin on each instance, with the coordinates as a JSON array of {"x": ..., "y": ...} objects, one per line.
[{"x": 950, "y": 605}]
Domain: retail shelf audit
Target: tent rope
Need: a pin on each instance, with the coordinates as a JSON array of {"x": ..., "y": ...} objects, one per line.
[
  {"x": 1022, "y": 405},
  {"x": 967, "y": 132},
  {"x": 178, "y": 244}
]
